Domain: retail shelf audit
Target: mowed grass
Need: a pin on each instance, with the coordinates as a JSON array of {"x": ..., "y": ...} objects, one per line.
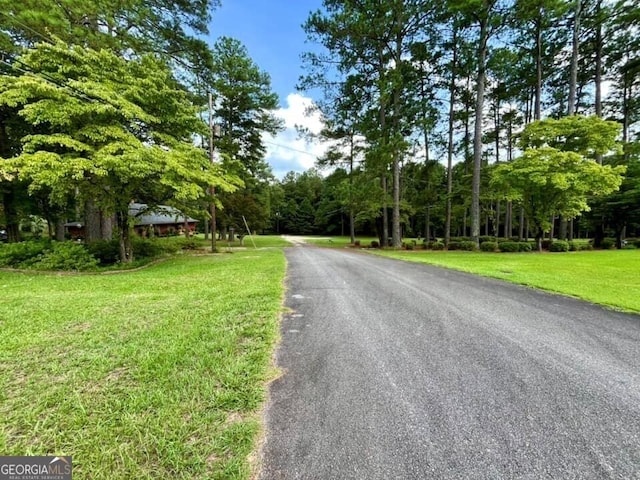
[
  {"x": 158, "y": 373},
  {"x": 338, "y": 242},
  {"x": 607, "y": 277},
  {"x": 259, "y": 241}
]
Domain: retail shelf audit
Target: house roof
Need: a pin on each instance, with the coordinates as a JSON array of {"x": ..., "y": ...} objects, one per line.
[
  {"x": 144, "y": 215},
  {"x": 159, "y": 215}
]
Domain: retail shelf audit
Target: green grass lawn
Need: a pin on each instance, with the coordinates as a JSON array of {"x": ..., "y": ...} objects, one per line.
[
  {"x": 260, "y": 241},
  {"x": 338, "y": 242},
  {"x": 157, "y": 373},
  {"x": 607, "y": 277}
]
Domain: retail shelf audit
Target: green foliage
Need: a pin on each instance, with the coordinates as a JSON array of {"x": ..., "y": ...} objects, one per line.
[
  {"x": 153, "y": 247},
  {"x": 489, "y": 246},
  {"x": 486, "y": 238},
  {"x": 468, "y": 246},
  {"x": 586, "y": 136},
  {"x": 117, "y": 129},
  {"x": 244, "y": 109},
  {"x": 525, "y": 246},
  {"x": 559, "y": 246},
  {"x": 375, "y": 244},
  {"x": 21, "y": 254},
  {"x": 107, "y": 252},
  {"x": 575, "y": 246},
  {"x": 433, "y": 245},
  {"x": 41, "y": 255},
  {"x": 509, "y": 246},
  {"x": 453, "y": 245},
  {"x": 608, "y": 243},
  {"x": 550, "y": 182},
  {"x": 67, "y": 256}
]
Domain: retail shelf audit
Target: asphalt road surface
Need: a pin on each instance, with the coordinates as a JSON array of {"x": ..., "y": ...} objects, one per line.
[{"x": 394, "y": 370}]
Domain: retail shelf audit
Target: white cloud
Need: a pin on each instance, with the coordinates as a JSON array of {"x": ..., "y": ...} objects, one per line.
[{"x": 288, "y": 151}]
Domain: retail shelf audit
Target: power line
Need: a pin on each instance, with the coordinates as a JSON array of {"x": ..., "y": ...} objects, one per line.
[
  {"x": 46, "y": 77},
  {"x": 27, "y": 27},
  {"x": 290, "y": 148}
]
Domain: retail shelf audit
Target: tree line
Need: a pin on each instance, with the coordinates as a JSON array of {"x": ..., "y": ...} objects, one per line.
[{"x": 466, "y": 116}]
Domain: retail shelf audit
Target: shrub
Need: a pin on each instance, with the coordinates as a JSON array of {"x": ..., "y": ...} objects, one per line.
[
  {"x": 636, "y": 243},
  {"x": 453, "y": 245},
  {"x": 188, "y": 244},
  {"x": 559, "y": 246},
  {"x": 107, "y": 252},
  {"x": 356, "y": 243},
  {"x": 459, "y": 239},
  {"x": 489, "y": 246},
  {"x": 375, "y": 244},
  {"x": 66, "y": 256},
  {"x": 608, "y": 243},
  {"x": 546, "y": 244},
  {"x": 524, "y": 247},
  {"x": 150, "y": 248},
  {"x": 408, "y": 246},
  {"x": 21, "y": 254},
  {"x": 574, "y": 246},
  {"x": 434, "y": 245},
  {"x": 486, "y": 238},
  {"x": 468, "y": 246},
  {"x": 509, "y": 246}
]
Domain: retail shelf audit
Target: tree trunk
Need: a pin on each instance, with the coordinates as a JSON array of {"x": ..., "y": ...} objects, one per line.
[
  {"x": 59, "y": 230},
  {"x": 575, "y": 45},
  {"x": 395, "y": 218},
  {"x": 352, "y": 220},
  {"x": 92, "y": 222},
  {"x": 538, "y": 90},
  {"x": 427, "y": 228},
  {"x": 106, "y": 226},
  {"x": 598, "y": 73},
  {"x": 124, "y": 236},
  {"x": 385, "y": 219},
  {"x": 397, "y": 107},
  {"x": 452, "y": 100},
  {"x": 477, "y": 140},
  {"x": 11, "y": 213},
  {"x": 521, "y": 226}
]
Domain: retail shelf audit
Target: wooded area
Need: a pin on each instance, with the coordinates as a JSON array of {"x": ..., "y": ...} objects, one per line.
[{"x": 456, "y": 118}]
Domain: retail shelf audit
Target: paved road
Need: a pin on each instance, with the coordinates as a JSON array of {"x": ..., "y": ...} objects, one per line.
[{"x": 402, "y": 371}]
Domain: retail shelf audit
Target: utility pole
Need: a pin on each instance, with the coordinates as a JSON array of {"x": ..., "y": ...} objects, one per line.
[{"x": 212, "y": 133}]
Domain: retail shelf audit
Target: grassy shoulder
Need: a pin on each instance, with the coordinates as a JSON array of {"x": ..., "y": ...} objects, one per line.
[
  {"x": 606, "y": 277},
  {"x": 158, "y": 373},
  {"x": 338, "y": 242}
]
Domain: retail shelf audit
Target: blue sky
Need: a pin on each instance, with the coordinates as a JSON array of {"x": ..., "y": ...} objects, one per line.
[{"x": 272, "y": 32}]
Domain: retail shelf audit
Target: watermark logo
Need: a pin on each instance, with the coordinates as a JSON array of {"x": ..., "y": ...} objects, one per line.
[{"x": 35, "y": 468}]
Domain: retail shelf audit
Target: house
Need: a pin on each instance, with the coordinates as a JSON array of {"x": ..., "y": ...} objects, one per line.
[{"x": 161, "y": 220}]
